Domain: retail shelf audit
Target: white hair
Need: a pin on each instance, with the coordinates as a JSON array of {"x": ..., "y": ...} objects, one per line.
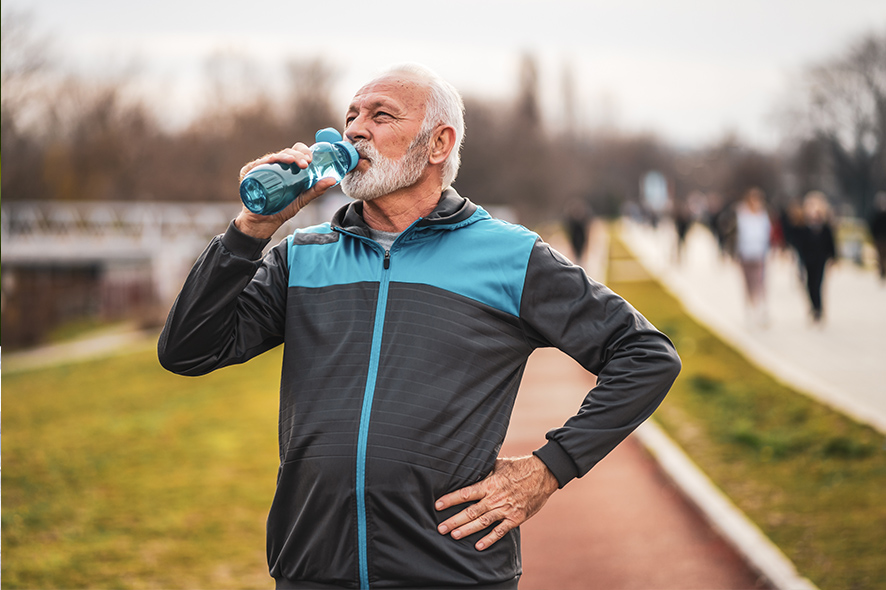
[{"x": 444, "y": 107}]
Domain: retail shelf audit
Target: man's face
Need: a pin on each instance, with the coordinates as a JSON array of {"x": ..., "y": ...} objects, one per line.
[{"x": 383, "y": 123}]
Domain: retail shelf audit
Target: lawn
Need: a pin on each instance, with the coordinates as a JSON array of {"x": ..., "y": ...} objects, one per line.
[
  {"x": 117, "y": 474},
  {"x": 811, "y": 478}
]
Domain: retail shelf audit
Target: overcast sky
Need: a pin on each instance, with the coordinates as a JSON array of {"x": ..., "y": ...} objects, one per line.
[{"x": 688, "y": 70}]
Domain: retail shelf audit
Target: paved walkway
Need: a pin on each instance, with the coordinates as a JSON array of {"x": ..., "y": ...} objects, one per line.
[
  {"x": 840, "y": 362},
  {"x": 118, "y": 339}
]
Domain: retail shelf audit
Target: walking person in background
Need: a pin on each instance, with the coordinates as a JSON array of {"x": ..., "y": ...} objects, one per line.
[
  {"x": 752, "y": 241},
  {"x": 877, "y": 226},
  {"x": 577, "y": 225},
  {"x": 682, "y": 222},
  {"x": 815, "y": 246}
]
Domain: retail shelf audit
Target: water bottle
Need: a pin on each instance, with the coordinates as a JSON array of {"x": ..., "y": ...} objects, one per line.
[{"x": 269, "y": 188}]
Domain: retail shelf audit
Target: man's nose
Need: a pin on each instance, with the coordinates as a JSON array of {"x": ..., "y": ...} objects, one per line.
[{"x": 356, "y": 129}]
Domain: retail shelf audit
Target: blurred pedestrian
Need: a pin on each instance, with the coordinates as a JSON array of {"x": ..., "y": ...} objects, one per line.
[
  {"x": 877, "y": 225},
  {"x": 682, "y": 222},
  {"x": 791, "y": 223},
  {"x": 816, "y": 247},
  {"x": 577, "y": 224},
  {"x": 752, "y": 243},
  {"x": 721, "y": 222}
]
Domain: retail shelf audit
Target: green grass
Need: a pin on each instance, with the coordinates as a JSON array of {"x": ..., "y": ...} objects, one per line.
[
  {"x": 811, "y": 478},
  {"x": 117, "y": 474}
]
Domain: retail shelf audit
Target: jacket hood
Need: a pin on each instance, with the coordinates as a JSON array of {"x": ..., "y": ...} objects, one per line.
[{"x": 452, "y": 211}]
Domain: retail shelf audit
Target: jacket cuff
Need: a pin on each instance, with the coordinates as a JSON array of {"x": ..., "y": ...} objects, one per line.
[
  {"x": 242, "y": 245},
  {"x": 558, "y": 461}
]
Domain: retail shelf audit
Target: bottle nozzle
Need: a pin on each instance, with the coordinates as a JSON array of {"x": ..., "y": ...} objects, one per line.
[{"x": 329, "y": 135}]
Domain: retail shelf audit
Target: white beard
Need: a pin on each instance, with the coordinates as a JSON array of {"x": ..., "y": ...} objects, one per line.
[{"x": 384, "y": 175}]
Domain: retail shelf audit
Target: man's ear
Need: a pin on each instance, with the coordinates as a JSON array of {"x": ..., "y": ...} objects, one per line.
[{"x": 442, "y": 143}]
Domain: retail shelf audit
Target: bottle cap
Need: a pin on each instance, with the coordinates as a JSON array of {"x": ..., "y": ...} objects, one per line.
[
  {"x": 352, "y": 153},
  {"x": 329, "y": 135}
]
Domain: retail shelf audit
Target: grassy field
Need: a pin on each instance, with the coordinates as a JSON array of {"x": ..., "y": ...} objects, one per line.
[
  {"x": 812, "y": 479},
  {"x": 117, "y": 474}
]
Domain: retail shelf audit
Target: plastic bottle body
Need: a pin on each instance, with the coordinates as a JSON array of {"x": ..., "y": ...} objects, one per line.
[{"x": 269, "y": 188}]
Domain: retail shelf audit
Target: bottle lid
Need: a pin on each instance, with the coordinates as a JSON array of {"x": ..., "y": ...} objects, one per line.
[
  {"x": 329, "y": 135},
  {"x": 352, "y": 153}
]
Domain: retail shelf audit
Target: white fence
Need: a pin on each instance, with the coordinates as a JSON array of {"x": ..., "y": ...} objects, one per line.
[{"x": 166, "y": 236}]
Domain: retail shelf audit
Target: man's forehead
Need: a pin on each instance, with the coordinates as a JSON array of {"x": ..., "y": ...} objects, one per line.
[{"x": 392, "y": 90}]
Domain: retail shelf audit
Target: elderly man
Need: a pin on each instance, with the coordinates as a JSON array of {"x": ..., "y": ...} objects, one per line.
[{"x": 407, "y": 322}]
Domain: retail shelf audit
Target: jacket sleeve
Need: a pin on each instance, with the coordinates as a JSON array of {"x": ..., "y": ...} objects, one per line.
[
  {"x": 230, "y": 309},
  {"x": 635, "y": 364}
]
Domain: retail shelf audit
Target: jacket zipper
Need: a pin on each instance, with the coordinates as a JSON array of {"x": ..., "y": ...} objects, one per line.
[
  {"x": 365, "y": 413},
  {"x": 366, "y": 410}
]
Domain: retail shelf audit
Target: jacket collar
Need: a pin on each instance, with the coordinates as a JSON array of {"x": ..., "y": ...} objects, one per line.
[{"x": 451, "y": 210}]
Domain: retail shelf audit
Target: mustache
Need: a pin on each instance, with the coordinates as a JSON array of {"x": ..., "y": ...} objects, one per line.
[{"x": 365, "y": 149}]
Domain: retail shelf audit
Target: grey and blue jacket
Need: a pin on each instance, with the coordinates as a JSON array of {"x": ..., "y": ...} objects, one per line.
[{"x": 400, "y": 370}]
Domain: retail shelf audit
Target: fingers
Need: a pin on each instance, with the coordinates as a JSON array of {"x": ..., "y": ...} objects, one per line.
[
  {"x": 299, "y": 154},
  {"x": 471, "y": 520},
  {"x": 466, "y": 494},
  {"x": 475, "y": 519},
  {"x": 264, "y": 226},
  {"x": 322, "y": 185},
  {"x": 495, "y": 535},
  {"x": 510, "y": 495}
]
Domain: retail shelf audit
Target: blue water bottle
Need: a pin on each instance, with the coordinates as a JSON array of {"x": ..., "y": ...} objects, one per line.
[{"x": 269, "y": 188}]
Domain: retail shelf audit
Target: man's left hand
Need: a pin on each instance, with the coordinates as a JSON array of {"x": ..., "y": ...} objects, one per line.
[{"x": 514, "y": 491}]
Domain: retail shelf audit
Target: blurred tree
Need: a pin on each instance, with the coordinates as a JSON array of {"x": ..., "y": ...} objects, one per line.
[
  {"x": 845, "y": 112},
  {"x": 308, "y": 103},
  {"x": 616, "y": 164},
  {"x": 739, "y": 168},
  {"x": 527, "y": 149},
  {"x": 528, "y": 103},
  {"x": 249, "y": 114},
  {"x": 100, "y": 143},
  {"x": 506, "y": 158},
  {"x": 25, "y": 67},
  {"x": 808, "y": 168},
  {"x": 484, "y": 156},
  {"x": 67, "y": 137}
]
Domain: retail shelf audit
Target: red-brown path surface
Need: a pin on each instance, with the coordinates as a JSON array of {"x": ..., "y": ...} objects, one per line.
[{"x": 623, "y": 525}]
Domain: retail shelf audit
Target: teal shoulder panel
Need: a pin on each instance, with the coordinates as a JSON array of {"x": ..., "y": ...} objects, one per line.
[
  {"x": 318, "y": 257},
  {"x": 485, "y": 260}
]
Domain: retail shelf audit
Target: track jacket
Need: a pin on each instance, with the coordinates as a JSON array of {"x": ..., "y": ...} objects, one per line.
[{"x": 400, "y": 370}]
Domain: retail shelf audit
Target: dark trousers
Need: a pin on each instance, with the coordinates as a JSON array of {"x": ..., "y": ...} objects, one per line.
[{"x": 814, "y": 280}]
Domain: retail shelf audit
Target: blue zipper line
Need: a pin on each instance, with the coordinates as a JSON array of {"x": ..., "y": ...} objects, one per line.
[
  {"x": 363, "y": 435},
  {"x": 365, "y": 412}
]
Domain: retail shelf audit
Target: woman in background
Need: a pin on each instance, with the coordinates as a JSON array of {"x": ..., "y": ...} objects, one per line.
[
  {"x": 815, "y": 246},
  {"x": 753, "y": 229}
]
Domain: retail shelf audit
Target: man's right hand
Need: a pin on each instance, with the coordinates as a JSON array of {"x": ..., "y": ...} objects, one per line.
[{"x": 264, "y": 226}]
